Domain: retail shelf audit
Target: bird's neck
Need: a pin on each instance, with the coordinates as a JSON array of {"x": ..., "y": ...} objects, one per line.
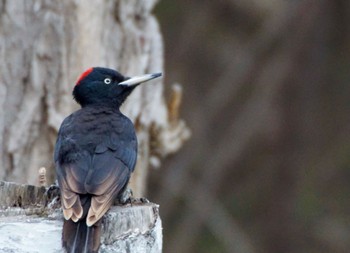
[{"x": 103, "y": 107}]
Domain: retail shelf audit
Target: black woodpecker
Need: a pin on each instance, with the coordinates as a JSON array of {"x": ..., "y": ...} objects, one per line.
[{"x": 95, "y": 154}]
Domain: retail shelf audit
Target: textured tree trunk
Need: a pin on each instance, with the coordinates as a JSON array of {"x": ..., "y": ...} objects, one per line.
[{"x": 44, "y": 46}]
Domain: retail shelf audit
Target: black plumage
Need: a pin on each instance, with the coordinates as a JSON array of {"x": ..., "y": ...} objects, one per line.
[{"x": 95, "y": 154}]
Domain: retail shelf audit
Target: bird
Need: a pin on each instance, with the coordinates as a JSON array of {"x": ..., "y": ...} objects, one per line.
[{"x": 95, "y": 154}]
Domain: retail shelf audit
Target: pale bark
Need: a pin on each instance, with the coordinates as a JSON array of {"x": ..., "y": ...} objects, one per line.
[{"x": 45, "y": 46}]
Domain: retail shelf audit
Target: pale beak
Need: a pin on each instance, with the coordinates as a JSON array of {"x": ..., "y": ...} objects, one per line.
[{"x": 140, "y": 79}]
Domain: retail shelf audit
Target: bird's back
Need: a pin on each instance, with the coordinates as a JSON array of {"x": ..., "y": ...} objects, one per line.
[{"x": 95, "y": 154}]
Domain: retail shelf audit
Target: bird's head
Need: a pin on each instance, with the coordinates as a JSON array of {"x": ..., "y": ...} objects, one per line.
[{"x": 106, "y": 86}]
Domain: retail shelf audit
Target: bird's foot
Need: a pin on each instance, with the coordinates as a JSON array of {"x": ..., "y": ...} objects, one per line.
[
  {"x": 126, "y": 197},
  {"x": 53, "y": 196},
  {"x": 143, "y": 200}
]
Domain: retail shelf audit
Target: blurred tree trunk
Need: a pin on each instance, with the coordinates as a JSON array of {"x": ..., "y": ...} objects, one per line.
[
  {"x": 45, "y": 46},
  {"x": 267, "y": 169}
]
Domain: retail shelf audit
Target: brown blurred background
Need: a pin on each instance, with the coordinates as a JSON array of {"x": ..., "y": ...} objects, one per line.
[{"x": 267, "y": 96}]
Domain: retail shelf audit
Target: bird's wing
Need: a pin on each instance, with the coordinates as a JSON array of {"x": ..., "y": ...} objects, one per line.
[
  {"x": 71, "y": 169},
  {"x": 71, "y": 178},
  {"x": 112, "y": 164},
  {"x": 106, "y": 177},
  {"x": 106, "y": 181}
]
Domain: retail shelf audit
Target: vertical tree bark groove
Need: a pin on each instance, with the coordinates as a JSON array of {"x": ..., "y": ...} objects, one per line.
[{"x": 45, "y": 45}]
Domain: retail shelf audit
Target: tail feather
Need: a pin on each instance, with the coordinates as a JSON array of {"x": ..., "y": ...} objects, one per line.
[{"x": 77, "y": 237}]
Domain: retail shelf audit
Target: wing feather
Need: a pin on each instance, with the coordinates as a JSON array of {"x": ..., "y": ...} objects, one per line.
[
  {"x": 71, "y": 204},
  {"x": 107, "y": 187}
]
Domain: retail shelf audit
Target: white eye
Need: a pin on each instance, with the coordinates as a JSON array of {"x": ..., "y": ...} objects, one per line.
[{"x": 107, "y": 81}]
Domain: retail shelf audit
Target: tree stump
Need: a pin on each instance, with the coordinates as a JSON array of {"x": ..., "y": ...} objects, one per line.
[{"x": 30, "y": 221}]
